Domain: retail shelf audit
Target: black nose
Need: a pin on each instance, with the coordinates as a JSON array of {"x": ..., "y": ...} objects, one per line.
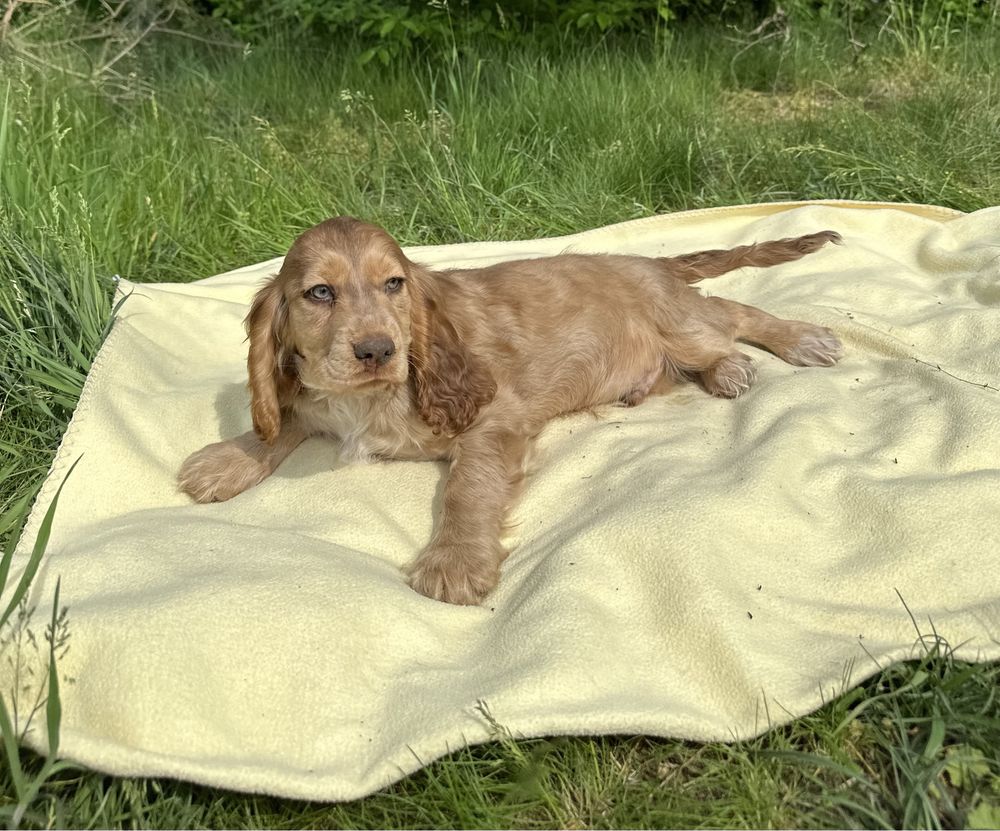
[{"x": 374, "y": 350}]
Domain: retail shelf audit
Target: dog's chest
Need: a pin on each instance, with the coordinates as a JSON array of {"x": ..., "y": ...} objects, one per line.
[{"x": 370, "y": 427}]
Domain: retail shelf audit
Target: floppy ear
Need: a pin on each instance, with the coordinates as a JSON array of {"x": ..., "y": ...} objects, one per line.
[
  {"x": 451, "y": 384},
  {"x": 272, "y": 381}
]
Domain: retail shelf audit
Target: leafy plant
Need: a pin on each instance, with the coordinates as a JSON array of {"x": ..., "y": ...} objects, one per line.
[{"x": 391, "y": 28}]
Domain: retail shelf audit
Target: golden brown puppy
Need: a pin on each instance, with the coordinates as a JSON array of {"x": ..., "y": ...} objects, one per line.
[{"x": 355, "y": 341}]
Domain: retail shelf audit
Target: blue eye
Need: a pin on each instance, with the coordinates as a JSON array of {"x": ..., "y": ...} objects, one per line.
[
  {"x": 393, "y": 284},
  {"x": 321, "y": 293}
]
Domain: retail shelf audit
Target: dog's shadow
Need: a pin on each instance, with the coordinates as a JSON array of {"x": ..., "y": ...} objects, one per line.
[
  {"x": 316, "y": 458},
  {"x": 232, "y": 410}
]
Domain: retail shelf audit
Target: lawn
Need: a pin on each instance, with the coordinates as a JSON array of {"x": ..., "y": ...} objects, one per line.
[{"x": 188, "y": 156}]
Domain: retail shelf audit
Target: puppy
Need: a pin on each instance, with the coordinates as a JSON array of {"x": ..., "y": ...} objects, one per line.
[{"x": 353, "y": 340}]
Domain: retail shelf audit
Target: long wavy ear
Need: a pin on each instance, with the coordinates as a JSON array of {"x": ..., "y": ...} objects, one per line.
[
  {"x": 451, "y": 383},
  {"x": 272, "y": 382}
]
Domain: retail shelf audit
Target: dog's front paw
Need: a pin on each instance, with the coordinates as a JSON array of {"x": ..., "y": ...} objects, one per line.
[
  {"x": 219, "y": 472},
  {"x": 454, "y": 574}
]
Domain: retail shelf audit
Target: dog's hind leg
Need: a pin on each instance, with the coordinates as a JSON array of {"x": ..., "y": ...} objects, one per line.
[
  {"x": 798, "y": 343},
  {"x": 705, "y": 349},
  {"x": 707, "y": 354}
]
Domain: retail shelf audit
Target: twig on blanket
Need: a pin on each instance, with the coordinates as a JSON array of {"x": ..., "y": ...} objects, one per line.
[
  {"x": 850, "y": 316},
  {"x": 957, "y": 378}
]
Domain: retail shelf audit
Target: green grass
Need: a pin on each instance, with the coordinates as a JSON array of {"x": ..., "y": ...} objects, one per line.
[{"x": 198, "y": 158}]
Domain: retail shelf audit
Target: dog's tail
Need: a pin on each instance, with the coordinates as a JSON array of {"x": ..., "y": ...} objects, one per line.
[{"x": 704, "y": 264}]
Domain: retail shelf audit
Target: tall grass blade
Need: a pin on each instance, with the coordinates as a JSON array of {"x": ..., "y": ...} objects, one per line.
[
  {"x": 11, "y": 751},
  {"x": 4, "y": 128},
  {"x": 26, "y": 790},
  {"x": 35, "y": 559},
  {"x": 11, "y": 521},
  {"x": 53, "y": 706}
]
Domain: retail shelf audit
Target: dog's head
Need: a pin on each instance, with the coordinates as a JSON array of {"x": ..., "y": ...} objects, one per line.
[{"x": 349, "y": 314}]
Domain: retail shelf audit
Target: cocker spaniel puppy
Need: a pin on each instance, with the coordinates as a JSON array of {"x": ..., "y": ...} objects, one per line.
[{"x": 353, "y": 340}]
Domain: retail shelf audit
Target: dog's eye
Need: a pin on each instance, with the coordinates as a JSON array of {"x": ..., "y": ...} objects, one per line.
[
  {"x": 393, "y": 284},
  {"x": 321, "y": 293}
]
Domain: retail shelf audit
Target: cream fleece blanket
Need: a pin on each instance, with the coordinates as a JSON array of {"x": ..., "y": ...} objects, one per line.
[{"x": 692, "y": 567}]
